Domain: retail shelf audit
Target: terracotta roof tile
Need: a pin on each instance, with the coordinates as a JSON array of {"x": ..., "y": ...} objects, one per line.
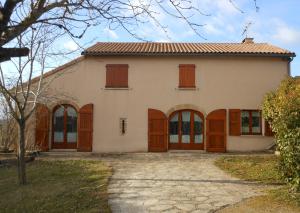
[{"x": 150, "y": 48}]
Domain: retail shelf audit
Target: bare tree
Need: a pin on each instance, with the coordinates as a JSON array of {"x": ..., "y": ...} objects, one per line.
[
  {"x": 76, "y": 16},
  {"x": 21, "y": 90}
]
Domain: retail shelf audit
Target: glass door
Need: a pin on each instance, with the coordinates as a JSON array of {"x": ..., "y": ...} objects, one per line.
[
  {"x": 186, "y": 129},
  {"x": 64, "y": 127}
]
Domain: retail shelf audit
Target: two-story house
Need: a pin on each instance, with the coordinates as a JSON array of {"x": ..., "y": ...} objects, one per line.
[{"x": 132, "y": 97}]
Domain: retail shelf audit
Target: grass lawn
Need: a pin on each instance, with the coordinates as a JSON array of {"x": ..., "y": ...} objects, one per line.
[
  {"x": 261, "y": 169},
  {"x": 56, "y": 186}
]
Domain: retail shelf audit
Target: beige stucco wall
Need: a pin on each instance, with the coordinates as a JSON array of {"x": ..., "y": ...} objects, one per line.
[{"x": 222, "y": 83}]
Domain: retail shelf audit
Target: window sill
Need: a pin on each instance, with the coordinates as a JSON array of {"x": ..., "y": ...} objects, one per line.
[
  {"x": 187, "y": 88},
  {"x": 116, "y": 88}
]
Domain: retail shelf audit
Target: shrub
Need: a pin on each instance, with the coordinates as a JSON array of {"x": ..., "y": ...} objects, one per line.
[{"x": 282, "y": 110}]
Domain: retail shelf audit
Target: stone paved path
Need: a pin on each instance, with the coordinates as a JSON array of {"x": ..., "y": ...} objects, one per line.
[{"x": 172, "y": 182}]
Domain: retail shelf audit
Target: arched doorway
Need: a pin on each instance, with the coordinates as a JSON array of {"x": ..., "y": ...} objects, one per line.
[
  {"x": 186, "y": 130},
  {"x": 64, "y": 129}
]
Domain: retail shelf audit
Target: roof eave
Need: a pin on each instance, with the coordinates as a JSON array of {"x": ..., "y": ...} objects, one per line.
[{"x": 284, "y": 55}]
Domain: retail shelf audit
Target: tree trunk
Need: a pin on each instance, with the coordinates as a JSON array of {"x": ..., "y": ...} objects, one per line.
[{"x": 21, "y": 153}]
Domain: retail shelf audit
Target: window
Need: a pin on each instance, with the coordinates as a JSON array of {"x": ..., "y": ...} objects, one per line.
[
  {"x": 250, "y": 122},
  {"x": 58, "y": 124},
  {"x": 186, "y": 129},
  {"x": 64, "y": 127},
  {"x": 123, "y": 126},
  {"x": 186, "y": 75},
  {"x": 198, "y": 129},
  {"x": 174, "y": 128},
  {"x": 185, "y": 126},
  {"x": 116, "y": 76}
]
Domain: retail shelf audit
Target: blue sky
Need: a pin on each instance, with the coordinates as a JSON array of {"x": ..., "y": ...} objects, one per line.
[{"x": 277, "y": 22}]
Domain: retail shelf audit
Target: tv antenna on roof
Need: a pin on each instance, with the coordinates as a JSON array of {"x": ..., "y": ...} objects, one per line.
[{"x": 246, "y": 29}]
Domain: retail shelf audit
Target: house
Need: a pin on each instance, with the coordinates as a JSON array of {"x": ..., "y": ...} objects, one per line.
[{"x": 139, "y": 97}]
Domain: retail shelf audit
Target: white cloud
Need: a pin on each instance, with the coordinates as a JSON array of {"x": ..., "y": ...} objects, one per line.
[
  {"x": 286, "y": 35},
  {"x": 226, "y": 7},
  {"x": 111, "y": 33},
  {"x": 71, "y": 45},
  {"x": 210, "y": 29},
  {"x": 163, "y": 40}
]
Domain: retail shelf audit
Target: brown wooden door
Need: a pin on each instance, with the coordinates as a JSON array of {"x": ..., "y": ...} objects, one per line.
[
  {"x": 216, "y": 131},
  {"x": 85, "y": 128},
  {"x": 42, "y": 127},
  {"x": 157, "y": 131}
]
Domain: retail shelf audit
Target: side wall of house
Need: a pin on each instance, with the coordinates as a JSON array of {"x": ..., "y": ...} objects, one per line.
[{"x": 221, "y": 83}]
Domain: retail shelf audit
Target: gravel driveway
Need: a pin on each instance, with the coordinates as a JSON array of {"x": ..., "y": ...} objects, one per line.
[{"x": 172, "y": 182}]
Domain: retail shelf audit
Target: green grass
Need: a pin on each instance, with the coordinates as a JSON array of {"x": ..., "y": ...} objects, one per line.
[
  {"x": 263, "y": 169},
  {"x": 56, "y": 186}
]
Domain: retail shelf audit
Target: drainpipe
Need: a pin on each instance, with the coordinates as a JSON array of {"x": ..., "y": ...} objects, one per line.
[{"x": 289, "y": 65}]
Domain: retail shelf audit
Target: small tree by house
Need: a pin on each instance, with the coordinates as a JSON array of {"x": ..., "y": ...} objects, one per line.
[
  {"x": 282, "y": 110},
  {"x": 22, "y": 92}
]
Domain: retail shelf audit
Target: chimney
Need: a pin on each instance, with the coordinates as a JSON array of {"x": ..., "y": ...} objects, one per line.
[{"x": 248, "y": 41}]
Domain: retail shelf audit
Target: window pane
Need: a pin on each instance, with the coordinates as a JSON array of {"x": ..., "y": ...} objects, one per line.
[
  {"x": 256, "y": 122},
  {"x": 71, "y": 125},
  {"x": 59, "y": 125},
  {"x": 174, "y": 129},
  {"x": 245, "y": 122},
  {"x": 198, "y": 131},
  {"x": 186, "y": 126}
]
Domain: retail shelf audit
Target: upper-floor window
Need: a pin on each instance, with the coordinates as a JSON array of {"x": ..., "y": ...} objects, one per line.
[
  {"x": 251, "y": 122},
  {"x": 187, "y": 76},
  {"x": 116, "y": 76}
]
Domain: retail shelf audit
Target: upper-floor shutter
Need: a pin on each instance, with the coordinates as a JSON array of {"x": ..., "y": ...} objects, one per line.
[
  {"x": 234, "y": 122},
  {"x": 186, "y": 75},
  {"x": 117, "y": 75},
  {"x": 268, "y": 130}
]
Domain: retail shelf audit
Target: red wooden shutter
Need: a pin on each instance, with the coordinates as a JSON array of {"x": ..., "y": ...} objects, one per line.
[
  {"x": 186, "y": 75},
  {"x": 117, "y": 75},
  {"x": 268, "y": 130},
  {"x": 216, "y": 131},
  {"x": 235, "y": 122},
  {"x": 42, "y": 127},
  {"x": 85, "y": 128},
  {"x": 157, "y": 131}
]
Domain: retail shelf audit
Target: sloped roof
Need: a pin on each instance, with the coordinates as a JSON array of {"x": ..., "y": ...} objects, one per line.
[{"x": 160, "y": 49}]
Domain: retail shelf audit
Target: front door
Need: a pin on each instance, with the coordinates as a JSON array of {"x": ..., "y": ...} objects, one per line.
[
  {"x": 64, "y": 134},
  {"x": 186, "y": 129}
]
